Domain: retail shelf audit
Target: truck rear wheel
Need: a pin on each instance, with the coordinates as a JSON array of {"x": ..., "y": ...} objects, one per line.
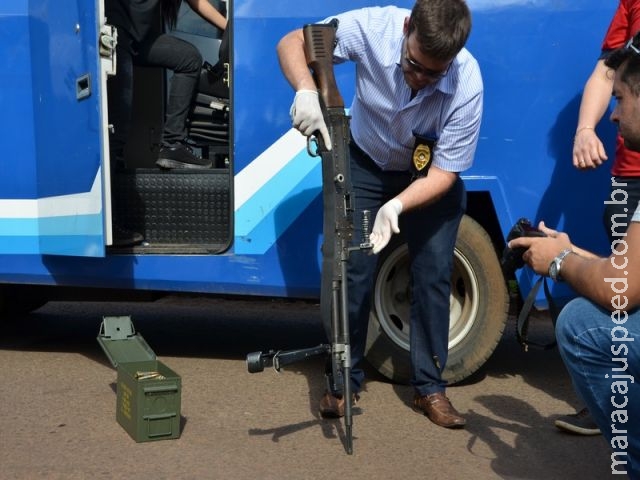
[{"x": 478, "y": 308}]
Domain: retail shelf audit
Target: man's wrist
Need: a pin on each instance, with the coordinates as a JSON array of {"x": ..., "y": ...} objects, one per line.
[
  {"x": 555, "y": 266},
  {"x": 305, "y": 91},
  {"x": 585, "y": 127},
  {"x": 397, "y": 205}
]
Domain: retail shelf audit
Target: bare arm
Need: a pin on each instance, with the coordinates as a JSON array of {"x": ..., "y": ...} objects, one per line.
[
  {"x": 426, "y": 190},
  {"x": 208, "y": 12},
  {"x": 290, "y": 50},
  {"x": 588, "y": 151}
]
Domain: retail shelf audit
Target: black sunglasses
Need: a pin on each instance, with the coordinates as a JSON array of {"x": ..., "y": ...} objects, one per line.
[{"x": 421, "y": 70}]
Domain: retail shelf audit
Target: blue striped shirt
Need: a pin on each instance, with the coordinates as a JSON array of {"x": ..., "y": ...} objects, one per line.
[{"x": 384, "y": 117}]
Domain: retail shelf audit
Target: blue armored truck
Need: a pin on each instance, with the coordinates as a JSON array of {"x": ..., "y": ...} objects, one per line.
[{"x": 252, "y": 224}]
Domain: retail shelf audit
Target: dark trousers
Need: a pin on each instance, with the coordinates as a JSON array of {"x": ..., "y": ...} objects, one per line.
[
  {"x": 431, "y": 234},
  {"x": 166, "y": 51},
  {"x": 616, "y": 216}
]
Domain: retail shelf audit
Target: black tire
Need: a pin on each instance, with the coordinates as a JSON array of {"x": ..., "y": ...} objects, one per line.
[
  {"x": 479, "y": 308},
  {"x": 19, "y": 300}
]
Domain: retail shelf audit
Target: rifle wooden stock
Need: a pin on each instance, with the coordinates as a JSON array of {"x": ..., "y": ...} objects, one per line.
[{"x": 319, "y": 42}]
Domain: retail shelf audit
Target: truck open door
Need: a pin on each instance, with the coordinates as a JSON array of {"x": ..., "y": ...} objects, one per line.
[{"x": 54, "y": 161}]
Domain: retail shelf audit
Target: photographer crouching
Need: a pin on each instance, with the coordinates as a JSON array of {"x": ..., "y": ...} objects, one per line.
[{"x": 598, "y": 333}]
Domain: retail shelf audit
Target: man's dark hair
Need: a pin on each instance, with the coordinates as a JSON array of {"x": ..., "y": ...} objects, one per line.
[
  {"x": 441, "y": 27},
  {"x": 627, "y": 61}
]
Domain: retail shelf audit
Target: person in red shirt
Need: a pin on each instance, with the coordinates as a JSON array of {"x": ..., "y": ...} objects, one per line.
[{"x": 589, "y": 152}]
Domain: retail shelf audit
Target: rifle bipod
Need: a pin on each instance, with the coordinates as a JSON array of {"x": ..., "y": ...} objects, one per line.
[{"x": 258, "y": 361}]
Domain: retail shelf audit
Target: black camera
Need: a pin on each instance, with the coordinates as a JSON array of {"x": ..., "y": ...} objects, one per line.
[{"x": 512, "y": 257}]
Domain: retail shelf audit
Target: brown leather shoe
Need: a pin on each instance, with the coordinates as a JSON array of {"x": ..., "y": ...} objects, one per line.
[
  {"x": 332, "y": 406},
  {"x": 439, "y": 410}
]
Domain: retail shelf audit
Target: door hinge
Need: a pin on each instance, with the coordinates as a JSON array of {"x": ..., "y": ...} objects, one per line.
[{"x": 107, "y": 46}]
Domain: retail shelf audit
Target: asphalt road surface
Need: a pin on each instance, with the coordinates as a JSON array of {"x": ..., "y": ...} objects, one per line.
[{"x": 58, "y": 402}]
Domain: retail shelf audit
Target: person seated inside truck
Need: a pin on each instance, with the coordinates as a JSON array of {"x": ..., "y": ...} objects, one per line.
[
  {"x": 598, "y": 333},
  {"x": 141, "y": 43}
]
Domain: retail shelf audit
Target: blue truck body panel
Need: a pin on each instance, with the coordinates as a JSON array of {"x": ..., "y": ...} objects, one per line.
[{"x": 535, "y": 57}]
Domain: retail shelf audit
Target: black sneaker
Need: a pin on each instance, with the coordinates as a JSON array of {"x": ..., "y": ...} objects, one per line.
[
  {"x": 125, "y": 238},
  {"x": 581, "y": 423},
  {"x": 180, "y": 155}
]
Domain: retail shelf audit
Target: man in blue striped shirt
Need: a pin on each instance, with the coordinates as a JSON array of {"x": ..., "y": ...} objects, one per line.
[{"x": 415, "y": 123}]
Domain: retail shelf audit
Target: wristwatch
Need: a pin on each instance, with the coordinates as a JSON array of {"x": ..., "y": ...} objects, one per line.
[{"x": 556, "y": 264}]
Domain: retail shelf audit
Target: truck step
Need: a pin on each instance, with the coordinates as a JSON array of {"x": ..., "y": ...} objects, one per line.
[{"x": 179, "y": 210}]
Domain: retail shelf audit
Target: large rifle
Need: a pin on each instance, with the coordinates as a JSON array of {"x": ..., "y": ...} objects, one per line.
[{"x": 338, "y": 204}]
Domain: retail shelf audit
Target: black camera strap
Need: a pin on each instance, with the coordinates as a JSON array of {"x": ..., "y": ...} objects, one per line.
[{"x": 522, "y": 326}]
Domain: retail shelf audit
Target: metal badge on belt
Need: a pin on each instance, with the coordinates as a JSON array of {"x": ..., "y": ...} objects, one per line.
[{"x": 422, "y": 156}]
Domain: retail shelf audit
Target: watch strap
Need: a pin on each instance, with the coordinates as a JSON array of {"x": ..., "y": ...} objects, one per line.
[{"x": 556, "y": 265}]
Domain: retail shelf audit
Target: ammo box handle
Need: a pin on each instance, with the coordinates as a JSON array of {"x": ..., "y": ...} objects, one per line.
[
  {"x": 160, "y": 389},
  {"x": 159, "y": 416}
]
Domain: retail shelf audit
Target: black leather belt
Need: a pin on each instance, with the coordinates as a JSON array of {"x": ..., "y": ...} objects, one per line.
[{"x": 361, "y": 153}]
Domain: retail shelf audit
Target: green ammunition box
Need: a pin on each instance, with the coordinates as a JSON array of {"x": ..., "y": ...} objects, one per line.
[{"x": 148, "y": 392}]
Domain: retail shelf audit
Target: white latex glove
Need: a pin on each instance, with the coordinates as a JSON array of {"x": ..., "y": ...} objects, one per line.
[
  {"x": 306, "y": 115},
  {"x": 386, "y": 223}
]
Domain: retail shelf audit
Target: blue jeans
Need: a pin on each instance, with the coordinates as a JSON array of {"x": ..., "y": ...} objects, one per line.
[
  {"x": 598, "y": 353},
  {"x": 166, "y": 51},
  {"x": 431, "y": 235}
]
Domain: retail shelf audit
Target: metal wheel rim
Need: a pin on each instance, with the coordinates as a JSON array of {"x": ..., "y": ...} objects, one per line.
[{"x": 392, "y": 298}]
